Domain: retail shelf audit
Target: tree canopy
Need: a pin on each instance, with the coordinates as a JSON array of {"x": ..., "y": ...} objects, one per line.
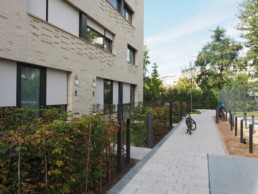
[
  {"x": 217, "y": 60},
  {"x": 248, "y": 14}
]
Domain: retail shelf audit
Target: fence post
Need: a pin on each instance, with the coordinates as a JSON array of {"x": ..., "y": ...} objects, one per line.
[
  {"x": 128, "y": 139},
  {"x": 245, "y": 115},
  {"x": 241, "y": 131},
  {"x": 170, "y": 114},
  {"x": 232, "y": 122},
  {"x": 229, "y": 117},
  {"x": 119, "y": 137},
  {"x": 245, "y": 120},
  {"x": 149, "y": 131},
  {"x": 235, "y": 101},
  {"x": 251, "y": 138},
  {"x": 217, "y": 114},
  {"x": 236, "y": 126}
]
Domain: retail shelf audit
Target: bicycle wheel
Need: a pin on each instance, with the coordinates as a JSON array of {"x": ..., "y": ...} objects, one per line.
[{"x": 193, "y": 124}]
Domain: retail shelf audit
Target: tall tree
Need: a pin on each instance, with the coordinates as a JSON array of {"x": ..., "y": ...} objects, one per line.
[
  {"x": 153, "y": 86},
  {"x": 249, "y": 26},
  {"x": 146, "y": 60},
  {"x": 216, "y": 60}
]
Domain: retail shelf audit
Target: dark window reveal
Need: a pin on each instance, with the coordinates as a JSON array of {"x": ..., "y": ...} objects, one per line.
[{"x": 131, "y": 55}]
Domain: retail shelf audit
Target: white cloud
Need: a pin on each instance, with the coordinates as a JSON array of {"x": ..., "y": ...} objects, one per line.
[{"x": 173, "y": 49}]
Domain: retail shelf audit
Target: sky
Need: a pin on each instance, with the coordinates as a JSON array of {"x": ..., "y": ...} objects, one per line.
[{"x": 175, "y": 31}]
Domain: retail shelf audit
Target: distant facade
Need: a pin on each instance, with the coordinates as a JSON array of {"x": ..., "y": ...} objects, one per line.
[
  {"x": 169, "y": 81},
  {"x": 70, "y": 53}
]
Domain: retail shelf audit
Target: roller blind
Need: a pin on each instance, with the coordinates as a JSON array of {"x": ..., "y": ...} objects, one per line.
[
  {"x": 126, "y": 93},
  {"x": 95, "y": 26},
  {"x": 100, "y": 91},
  {"x": 8, "y": 77},
  {"x": 64, "y": 16},
  {"x": 56, "y": 87},
  {"x": 37, "y": 8}
]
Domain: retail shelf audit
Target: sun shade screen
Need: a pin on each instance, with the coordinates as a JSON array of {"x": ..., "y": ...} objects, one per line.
[
  {"x": 126, "y": 93},
  {"x": 100, "y": 91},
  {"x": 64, "y": 16},
  {"x": 8, "y": 77},
  {"x": 108, "y": 35},
  {"x": 56, "y": 87},
  {"x": 115, "y": 93},
  {"x": 37, "y": 8},
  {"x": 95, "y": 26}
]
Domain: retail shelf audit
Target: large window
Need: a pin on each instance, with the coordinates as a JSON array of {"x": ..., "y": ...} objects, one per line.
[
  {"x": 94, "y": 33},
  {"x": 131, "y": 52},
  {"x": 94, "y": 37},
  {"x": 31, "y": 86},
  {"x": 57, "y": 12},
  {"x": 39, "y": 87}
]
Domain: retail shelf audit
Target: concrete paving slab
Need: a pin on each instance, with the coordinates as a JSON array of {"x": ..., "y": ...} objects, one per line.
[{"x": 179, "y": 161}]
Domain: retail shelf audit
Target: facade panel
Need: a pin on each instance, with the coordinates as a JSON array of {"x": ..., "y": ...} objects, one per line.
[
  {"x": 64, "y": 16},
  {"x": 37, "y": 8},
  {"x": 56, "y": 87},
  {"x": 8, "y": 77}
]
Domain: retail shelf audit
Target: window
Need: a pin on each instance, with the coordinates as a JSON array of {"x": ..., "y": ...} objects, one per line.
[
  {"x": 108, "y": 96},
  {"x": 94, "y": 33},
  {"x": 31, "y": 89},
  {"x": 115, "y": 3},
  {"x": 57, "y": 12},
  {"x": 94, "y": 37},
  {"x": 108, "y": 44},
  {"x": 131, "y": 55},
  {"x": 123, "y": 8},
  {"x": 128, "y": 14}
]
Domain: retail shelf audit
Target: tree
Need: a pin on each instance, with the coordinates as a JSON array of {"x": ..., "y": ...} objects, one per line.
[
  {"x": 146, "y": 60},
  {"x": 153, "y": 86},
  {"x": 216, "y": 60},
  {"x": 249, "y": 25}
]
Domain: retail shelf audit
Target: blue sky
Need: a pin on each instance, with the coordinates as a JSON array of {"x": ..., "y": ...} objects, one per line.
[{"x": 175, "y": 31}]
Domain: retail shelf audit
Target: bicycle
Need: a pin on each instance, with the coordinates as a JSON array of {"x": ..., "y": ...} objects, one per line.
[{"x": 190, "y": 123}]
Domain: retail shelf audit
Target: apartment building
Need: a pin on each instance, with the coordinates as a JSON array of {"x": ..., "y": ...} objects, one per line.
[{"x": 70, "y": 53}]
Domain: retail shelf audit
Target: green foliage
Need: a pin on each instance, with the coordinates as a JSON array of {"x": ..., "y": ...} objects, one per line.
[
  {"x": 57, "y": 153},
  {"x": 146, "y": 60},
  {"x": 153, "y": 86},
  {"x": 249, "y": 26},
  {"x": 216, "y": 60},
  {"x": 161, "y": 121}
]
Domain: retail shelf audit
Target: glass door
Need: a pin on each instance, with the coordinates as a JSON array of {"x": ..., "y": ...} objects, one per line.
[{"x": 30, "y": 86}]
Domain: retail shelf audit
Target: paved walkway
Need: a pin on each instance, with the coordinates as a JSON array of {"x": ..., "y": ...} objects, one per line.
[{"x": 178, "y": 164}]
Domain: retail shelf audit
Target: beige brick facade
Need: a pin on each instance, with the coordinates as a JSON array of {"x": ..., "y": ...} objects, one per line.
[{"x": 26, "y": 38}]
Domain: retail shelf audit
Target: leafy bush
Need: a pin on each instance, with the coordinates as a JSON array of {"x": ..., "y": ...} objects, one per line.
[{"x": 54, "y": 153}]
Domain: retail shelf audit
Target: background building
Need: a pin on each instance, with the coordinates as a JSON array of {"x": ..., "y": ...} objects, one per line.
[
  {"x": 169, "y": 81},
  {"x": 70, "y": 53}
]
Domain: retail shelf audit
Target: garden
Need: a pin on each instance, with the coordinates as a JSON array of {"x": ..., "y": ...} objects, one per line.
[{"x": 62, "y": 152}]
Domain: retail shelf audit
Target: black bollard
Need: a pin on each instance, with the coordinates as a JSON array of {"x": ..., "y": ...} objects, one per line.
[
  {"x": 149, "y": 131},
  {"x": 236, "y": 126},
  {"x": 217, "y": 114},
  {"x": 250, "y": 138},
  {"x": 128, "y": 139},
  {"x": 241, "y": 131}
]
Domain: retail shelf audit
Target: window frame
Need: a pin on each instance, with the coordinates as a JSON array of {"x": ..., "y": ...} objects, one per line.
[
  {"x": 131, "y": 50},
  {"x": 84, "y": 30}
]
